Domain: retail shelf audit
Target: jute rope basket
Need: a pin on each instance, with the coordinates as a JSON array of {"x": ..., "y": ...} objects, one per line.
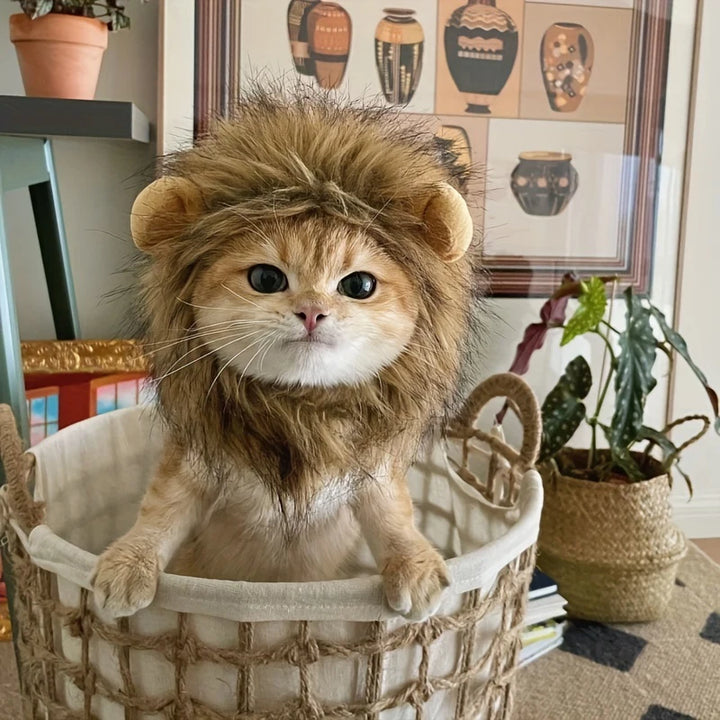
[
  {"x": 612, "y": 549},
  {"x": 220, "y": 650}
]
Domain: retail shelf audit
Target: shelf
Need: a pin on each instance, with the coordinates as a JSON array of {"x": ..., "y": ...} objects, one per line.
[{"x": 55, "y": 117}]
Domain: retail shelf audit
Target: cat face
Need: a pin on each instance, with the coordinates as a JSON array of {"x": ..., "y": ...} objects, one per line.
[{"x": 311, "y": 302}]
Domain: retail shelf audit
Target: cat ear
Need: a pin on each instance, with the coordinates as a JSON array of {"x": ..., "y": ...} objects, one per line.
[
  {"x": 448, "y": 222},
  {"x": 162, "y": 209}
]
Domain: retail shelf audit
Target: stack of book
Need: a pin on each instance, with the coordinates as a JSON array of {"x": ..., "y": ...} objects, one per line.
[{"x": 544, "y": 624}]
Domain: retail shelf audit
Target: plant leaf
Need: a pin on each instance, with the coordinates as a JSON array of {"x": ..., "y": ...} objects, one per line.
[
  {"x": 590, "y": 311},
  {"x": 686, "y": 477},
  {"x": 677, "y": 342},
  {"x": 623, "y": 459},
  {"x": 633, "y": 377},
  {"x": 563, "y": 409},
  {"x": 667, "y": 446},
  {"x": 42, "y": 7}
]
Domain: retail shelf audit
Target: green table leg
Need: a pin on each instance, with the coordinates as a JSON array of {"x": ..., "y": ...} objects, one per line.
[
  {"x": 12, "y": 386},
  {"x": 45, "y": 199}
]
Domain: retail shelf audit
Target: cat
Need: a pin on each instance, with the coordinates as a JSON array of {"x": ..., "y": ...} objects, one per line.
[{"x": 308, "y": 298}]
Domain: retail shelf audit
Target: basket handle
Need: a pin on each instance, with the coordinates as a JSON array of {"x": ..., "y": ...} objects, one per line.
[
  {"x": 523, "y": 402},
  {"x": 15, "y": 462}
]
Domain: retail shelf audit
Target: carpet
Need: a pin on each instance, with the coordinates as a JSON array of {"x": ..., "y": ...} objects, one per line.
[{"x": 665, "y": 670}]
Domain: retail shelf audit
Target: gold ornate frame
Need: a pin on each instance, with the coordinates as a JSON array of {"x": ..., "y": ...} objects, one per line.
[{"x": 82, "y": 356}]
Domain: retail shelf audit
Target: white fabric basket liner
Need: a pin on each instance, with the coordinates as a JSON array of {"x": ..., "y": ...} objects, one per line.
[{"x": 92, "y": 477}]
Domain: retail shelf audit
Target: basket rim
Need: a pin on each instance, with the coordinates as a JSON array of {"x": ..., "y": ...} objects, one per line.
[{"x": 359, "y": 599}]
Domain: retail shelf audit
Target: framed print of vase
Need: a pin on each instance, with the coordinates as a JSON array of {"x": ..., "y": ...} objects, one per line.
[
  {"x": 543, "y": 182},
  {"x": 566, "y": 60},
  {"x": 297, "y": 22},
  {"x": 481, "y": 44},
  {"x": 399, "y": 41},
  {"x": 329, "y": 33}
]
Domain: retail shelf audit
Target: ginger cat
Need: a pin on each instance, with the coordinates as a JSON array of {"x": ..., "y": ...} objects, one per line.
[{"x": 308, "y": 296}]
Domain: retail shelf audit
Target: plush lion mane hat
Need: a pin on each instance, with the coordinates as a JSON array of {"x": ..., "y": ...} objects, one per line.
[{"x": 298, "y": 154}]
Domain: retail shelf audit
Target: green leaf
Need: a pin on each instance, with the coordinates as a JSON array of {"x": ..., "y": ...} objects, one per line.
[
  {"x": 623, "y": 459},
  {"x": 591, "y": 310},
  {"x": 686, "y": 477},
  {"x": 42, "y": 7},
  {"x": 563, "y": 411},
  {"x": 633, "y": 378},
  {"x": 677, "y": 342},
  {"x": 668, "y": 447}
]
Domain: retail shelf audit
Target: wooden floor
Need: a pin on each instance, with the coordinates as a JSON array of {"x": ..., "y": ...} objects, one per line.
[{"x": 711, "y": 547}]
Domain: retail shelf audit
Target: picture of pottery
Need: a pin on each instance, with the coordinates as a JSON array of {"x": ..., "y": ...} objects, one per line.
[
  {"x": 329, "y": 33},
  {"x": 481, "y": 43},
  {"x": 454, "y": 145},
  {"x": 297, "y": 22},
  {"x": 543, "y": 183},
  {"x": 399, "y": 41},
  {"x": 566, "y": 58}
]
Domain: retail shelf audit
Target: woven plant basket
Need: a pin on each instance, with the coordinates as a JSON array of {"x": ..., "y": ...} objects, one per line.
[
  {"x": 612, "y": 549},
  {"x": 219, "y": 650}
]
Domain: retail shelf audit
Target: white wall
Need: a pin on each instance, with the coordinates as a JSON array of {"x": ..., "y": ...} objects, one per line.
[
  {"x": 98, "y": 182},
  {"x": 699, "y": 272}
]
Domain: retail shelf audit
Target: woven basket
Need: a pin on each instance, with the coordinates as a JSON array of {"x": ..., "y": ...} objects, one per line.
[
  {"x": 220, "y": 650},
  {"x": 612, "y": 549}
]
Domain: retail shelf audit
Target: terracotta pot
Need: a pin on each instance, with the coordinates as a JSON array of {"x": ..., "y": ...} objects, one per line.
[
  {"x": 455, "y": 149},
  {"x": 543, "y": 183},
  {"x": 612, "y": 549},
  {"x": 59, "y": 55},
  {"x": 399, "y": 42},
  {"x": 297, "y": 22},
  {"x": 329, "y": 34},
  {"x": 481, "y": 44},
  {"x": 566, "y": 58}
]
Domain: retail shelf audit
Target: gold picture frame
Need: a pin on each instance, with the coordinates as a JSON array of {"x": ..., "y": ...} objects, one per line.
[{"x": 82, "y": 356}]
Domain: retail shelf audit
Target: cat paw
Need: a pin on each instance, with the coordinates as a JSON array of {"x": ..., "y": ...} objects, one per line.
[
  {"x": 126, "y": 578},
  {"x": 414, "y": 583}
]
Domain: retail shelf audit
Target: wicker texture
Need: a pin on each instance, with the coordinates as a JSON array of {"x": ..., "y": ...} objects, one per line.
[
  {"x": 612, "y": 549},
  {"x": 47, "y": 672}
]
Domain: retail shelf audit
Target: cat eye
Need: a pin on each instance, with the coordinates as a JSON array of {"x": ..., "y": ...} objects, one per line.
[
  {"x": 267, "y": 279},
  {"x": 357, "y": 285}
]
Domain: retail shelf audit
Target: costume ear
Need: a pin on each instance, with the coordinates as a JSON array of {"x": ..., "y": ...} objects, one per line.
[
  {"x": 448, "y": 222},
  {"x": 161, "y": 209}
]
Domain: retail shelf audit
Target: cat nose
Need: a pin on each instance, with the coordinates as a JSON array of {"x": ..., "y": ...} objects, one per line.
[{"x": 310, "y": 315}]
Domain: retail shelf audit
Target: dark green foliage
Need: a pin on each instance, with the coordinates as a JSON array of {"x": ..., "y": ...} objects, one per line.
[
  {"x": 630, "y": 372},
  {"x": 109, "y": 11},
  {"x": 563, "y": 409}
]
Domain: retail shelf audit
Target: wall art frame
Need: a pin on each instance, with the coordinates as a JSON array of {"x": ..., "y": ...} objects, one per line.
[{"x": 220, "y": 33}]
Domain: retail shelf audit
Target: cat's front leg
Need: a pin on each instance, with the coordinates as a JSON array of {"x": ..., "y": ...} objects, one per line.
[
  {"x": 126, "y": 575},
  {"x": 414, "y": 573}
]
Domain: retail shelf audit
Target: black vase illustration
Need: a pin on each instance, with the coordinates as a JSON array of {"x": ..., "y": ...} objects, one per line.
[
  {"x": 456, "y": 153},
  {"x": 543, "y": 183},
  {"x": 399, "y": 42},
  {"x": 297, "y": 17},
  {"x": 481, "y": 44}
]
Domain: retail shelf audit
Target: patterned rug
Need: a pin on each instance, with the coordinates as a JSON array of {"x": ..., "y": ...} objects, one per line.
[{"x": 666, "y": 670}]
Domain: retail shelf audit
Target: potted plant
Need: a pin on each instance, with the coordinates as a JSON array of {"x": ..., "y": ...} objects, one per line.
[
  {"x": 606, "y": 534},
  {"x": 60, "y": 44}
]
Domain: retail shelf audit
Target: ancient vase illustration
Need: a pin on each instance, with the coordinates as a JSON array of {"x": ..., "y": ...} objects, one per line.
[
  {"x": 329, "y": 34},
  {"x": 544, "y": 182},
  {"x": 481, "y": 44},
  {"x": 399, "y": 42},
  {"x": 566, "y": 58},
  {"x": 455, "y": 150},
  {"x": 297, "y": 22}
]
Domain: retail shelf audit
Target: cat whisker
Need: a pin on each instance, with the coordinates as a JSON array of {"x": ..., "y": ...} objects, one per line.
[
  {"x": 201, "y": 333},
  {"x": 264, "y": 355},
  {"x": 202, "y": 357},
  {"x": 245, "y": 369},
  {"x": 231, "y": 360},
  {"x": 240, "y": 297}
]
